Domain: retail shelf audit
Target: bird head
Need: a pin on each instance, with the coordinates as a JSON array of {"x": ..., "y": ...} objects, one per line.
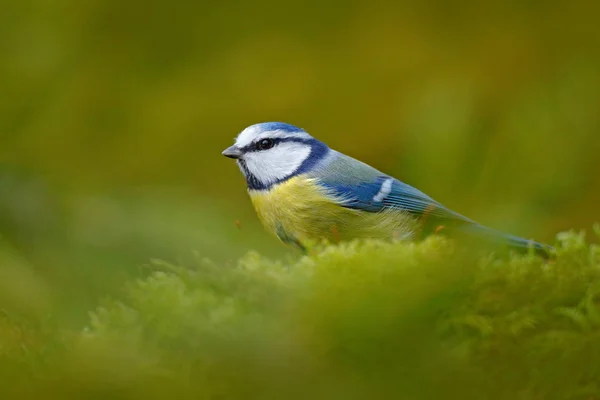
[{"x": 272, "y": 152}]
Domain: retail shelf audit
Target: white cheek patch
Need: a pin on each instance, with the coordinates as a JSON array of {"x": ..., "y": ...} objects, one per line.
[{"x": 277, "y": 163}]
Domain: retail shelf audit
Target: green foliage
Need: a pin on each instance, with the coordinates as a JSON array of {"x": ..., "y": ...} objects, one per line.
[{"x": 353, "y": 321}]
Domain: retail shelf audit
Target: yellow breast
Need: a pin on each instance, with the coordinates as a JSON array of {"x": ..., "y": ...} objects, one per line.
[{"x": 299, "y": 209}]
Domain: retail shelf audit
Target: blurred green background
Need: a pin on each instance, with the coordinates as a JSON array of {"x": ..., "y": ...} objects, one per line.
[{"x": 114, "y": 115}]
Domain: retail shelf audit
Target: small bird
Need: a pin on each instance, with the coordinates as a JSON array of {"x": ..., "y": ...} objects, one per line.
[{"x": 304, "y": 191}]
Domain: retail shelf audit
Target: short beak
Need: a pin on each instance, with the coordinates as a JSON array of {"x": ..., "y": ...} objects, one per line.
[{"x": 232, "y": 152}]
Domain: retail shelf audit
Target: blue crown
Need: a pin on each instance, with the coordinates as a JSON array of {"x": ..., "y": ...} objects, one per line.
[{"x": 278, "y": 126}]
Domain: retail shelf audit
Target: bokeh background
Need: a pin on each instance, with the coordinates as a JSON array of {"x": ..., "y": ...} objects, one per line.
[{"x": 114, "y": 114}]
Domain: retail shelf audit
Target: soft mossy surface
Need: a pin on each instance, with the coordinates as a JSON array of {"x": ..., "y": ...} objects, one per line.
[{"x": 354, "y": 321}]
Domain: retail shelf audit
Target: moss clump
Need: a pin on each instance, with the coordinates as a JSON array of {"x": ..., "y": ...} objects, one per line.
[{"x": 353, "y": 321}]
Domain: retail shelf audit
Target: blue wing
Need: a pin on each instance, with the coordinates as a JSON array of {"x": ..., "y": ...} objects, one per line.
[
  {"x": 360, "y": 186},
  {"x": 356, "y": 185}
]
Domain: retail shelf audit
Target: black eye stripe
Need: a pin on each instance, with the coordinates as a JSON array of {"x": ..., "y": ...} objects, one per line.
[{"x": 252, "y": 146}]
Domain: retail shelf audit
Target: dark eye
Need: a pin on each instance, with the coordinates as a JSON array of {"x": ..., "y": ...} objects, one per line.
[{"x": 265, "y": 144}]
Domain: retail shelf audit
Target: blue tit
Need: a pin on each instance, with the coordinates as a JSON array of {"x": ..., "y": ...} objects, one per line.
[{"x": 304, "y": 191}]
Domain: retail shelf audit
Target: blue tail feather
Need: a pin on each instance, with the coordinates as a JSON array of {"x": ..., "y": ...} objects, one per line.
[{"x": 501, "y": 238}]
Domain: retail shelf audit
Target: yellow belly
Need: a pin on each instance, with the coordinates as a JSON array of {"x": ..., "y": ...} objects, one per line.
[{"x": 299, "y": 210}]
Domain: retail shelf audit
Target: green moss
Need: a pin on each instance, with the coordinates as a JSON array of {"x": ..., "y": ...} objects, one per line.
[{"x": 357, "y": 320}]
